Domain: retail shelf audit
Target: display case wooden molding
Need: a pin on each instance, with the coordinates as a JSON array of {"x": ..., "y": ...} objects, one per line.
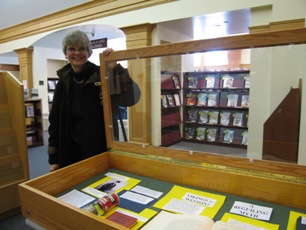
[{"x": 275, "y": 182}]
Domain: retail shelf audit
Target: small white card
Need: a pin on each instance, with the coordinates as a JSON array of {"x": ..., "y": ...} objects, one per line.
[
  {"x": 147, "y": 191},
  {"x": 184, "y": 207},
  {"x": 136, "y": 197},
  {"x": 243, "y": 225},
  {"x": 251, "y": 210},
  {"x": 76, "y": 198}
]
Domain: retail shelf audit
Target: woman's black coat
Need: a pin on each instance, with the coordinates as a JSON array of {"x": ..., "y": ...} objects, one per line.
[{"x": 94, "y": 139}]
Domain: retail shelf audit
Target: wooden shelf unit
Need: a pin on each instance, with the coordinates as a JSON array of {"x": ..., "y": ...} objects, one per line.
[
  {"x": 51, "y": 87},
  {"x": 216, "y": 107},
  {"x": 171, "y": 108},
  {"x": 14, "y": 167},
  {"x": 34, "y": 122}
]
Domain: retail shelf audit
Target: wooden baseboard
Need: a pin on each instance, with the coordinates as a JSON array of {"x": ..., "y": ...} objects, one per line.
[{"x": 10, "y": 213}]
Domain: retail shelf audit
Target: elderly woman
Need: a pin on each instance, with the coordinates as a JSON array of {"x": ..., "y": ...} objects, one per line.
[{"x": 76, "y": 130}]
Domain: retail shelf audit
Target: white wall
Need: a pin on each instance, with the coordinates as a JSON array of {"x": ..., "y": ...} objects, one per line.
[
  {"x": 10, "y": 60},
  {"x": 160, "y": 34},
  {"x": 40, "y": 72}
]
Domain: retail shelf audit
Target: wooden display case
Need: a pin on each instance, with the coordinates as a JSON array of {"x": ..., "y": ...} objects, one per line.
[{"x": 276, "y": 182}]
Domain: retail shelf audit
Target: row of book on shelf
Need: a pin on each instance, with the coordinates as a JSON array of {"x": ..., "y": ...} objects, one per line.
[
  {"x": 212, "y": 99},
  {"x": 170, "y": 100},
  {"x": 198, "y": 81},
  {"x": 204, "y": 99},
  {"x": 214, "y": 134},
  {"x": 134, "y": 205},
  {"x": 212, "y": 81},
  {"x": 216, "y": 117}
]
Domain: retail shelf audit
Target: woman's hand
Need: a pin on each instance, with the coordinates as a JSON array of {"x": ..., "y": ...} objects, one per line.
[
  {"x": 106, "y": 52},
  {"x": 54, "y": 167}
]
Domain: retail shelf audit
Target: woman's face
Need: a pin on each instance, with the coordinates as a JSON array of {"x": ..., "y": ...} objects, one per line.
[{"x": 77, "y": 56}]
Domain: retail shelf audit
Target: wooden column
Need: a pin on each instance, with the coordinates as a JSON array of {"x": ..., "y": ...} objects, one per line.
[
  {"x": 140, "y": 70},
  {"x": 25, "y": 63}
]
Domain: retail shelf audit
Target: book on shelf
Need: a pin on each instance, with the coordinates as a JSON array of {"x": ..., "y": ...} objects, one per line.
[
  {"x": 164, "y": 101},
  {"x": 192, "y": 82},
  {"x": 26, "y": 93},
  {"x": 238, "y": 119},
  {"x": 244, "y": 137},
  {"x": 51, "y": 84},
  {"x": 30, "y": 110},
  {"x": 191, "y": 98},
  {"x": 228, "y": 136},
  {"x": 210, "y": 82},
  {"x": 232, "y": 100},
  {"x": 200, "y": 135},
  {"x": 34, "y": 93},
  {"x": 122, "y": 219},
  {"x": 176, "y": 82},
  {"x": 247, "y": 120},
  {"x": 202, "y": 99},
  {"x": 225, "y": 117},
  {"x": 50, "y": 96},
  {"x": 247, "y": 81},
  {"x": 213, "y": 117},
  {"x": 211, "y": 134},
  {"x": 228, "y": 81},
  {"x": 245, "y": 101},
  {"x": 189, "y": 132},
  {"x": 177, "y": 99},
  {"x": 203, "y": 116},
  {"x": 165, "y": 220},
  {"x": 212, "y": 99},
  {"x": 192, "y": 115},
  {"x": 170, "y": 100}
]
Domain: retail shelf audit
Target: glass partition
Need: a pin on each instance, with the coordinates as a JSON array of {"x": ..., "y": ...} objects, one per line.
[{"x": 248, "y": 107}]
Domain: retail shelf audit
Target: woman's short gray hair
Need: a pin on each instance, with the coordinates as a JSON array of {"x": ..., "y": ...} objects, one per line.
[{"x": 76, "y": 38}]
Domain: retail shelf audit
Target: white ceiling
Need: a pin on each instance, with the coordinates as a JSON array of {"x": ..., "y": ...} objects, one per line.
[
  {"x": 200, "y": 27},
  {"x": 14, "y": 12}
]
